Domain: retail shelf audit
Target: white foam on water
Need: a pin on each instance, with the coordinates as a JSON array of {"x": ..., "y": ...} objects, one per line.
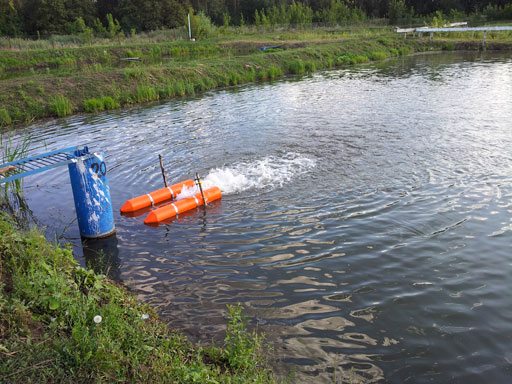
[{"x": 268, "y": 173}]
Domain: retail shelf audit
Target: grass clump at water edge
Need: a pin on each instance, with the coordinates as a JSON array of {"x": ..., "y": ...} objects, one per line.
[
  {"x": 98, "y": 104},
  {"x": 62, "y": 323},
  {"x": 61, "y": 106},
  {"x": 145, "y": 93},
  {"x": 12, "y": 150},
  {"x": 5, "y": 117}
]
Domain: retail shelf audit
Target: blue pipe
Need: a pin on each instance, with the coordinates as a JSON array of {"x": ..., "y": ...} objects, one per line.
[{"x": 91, "y": 192}]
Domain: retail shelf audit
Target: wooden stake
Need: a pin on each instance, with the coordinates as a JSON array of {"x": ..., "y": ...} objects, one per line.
[
  {"x": 198, "y": 182},
  {"x": 162, "y": 169}
]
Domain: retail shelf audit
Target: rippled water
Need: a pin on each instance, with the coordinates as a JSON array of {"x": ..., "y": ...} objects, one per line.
[{"x": 365, "y": 224}]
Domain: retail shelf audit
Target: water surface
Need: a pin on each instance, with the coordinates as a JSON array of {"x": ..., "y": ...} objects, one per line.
[{"x": 365, "y": 223}]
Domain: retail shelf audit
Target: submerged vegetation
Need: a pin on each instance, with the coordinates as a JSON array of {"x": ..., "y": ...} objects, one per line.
[{"x": 62, "y": 323}]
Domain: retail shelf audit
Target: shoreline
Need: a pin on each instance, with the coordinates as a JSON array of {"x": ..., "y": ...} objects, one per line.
[
  {"x": 60, "y": 322},
  {"x": 107, "y": 84}
]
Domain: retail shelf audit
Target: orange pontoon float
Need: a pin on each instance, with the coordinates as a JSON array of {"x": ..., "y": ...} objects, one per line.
[
  {"x": 155, "y": 197},
  {"x": 168, "y": 211}
]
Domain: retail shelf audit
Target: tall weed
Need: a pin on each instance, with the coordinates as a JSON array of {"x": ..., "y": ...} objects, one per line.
[
  {"x": 145, "y": 93},
  {"x": 5, "y": 117},
  {"x": 60, "y": 106}
]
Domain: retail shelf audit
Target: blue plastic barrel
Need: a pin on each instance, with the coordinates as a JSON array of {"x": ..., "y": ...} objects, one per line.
[{"x": 91, "y": 192}]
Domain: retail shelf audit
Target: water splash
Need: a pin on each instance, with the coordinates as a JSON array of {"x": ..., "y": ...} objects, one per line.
[{"x": 268, "y": 173}]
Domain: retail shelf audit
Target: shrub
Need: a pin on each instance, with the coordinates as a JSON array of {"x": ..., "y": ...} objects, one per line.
[
  {"x": 201, "y": 25},
  {"x": 61, "y": 106},
  {"x": 80, "y": 28},
  {"x": 113, "y": 26}
]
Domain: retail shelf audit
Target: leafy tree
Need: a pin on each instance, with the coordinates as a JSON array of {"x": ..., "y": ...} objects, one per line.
[
  {"x": 10, "y": 20},
  {"x": 44, "y": 16},
  {"x": 31, "y": 17},
  {"x": 300, "y": 14},
  {"x": 55, "y": 16},
  {"x": 146, "y": 15},
  {"x": 99, "y": 28},
  {"x": 81, "y": 29},
  {"x": 104, "y": 7},
  {"x": 113, "y": 26},
  {"x": 398, "y": 11},
  {"x": 201, "y": 25},
  {"x": 338, "y": 12}
]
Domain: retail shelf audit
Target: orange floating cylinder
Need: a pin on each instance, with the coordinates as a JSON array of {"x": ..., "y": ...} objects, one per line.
[
  {"x": 163, "y": 213},
  {"x": 155, "y": 197}
]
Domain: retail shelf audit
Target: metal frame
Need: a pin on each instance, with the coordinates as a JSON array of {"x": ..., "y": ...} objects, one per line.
[
  {"x": 464, "y": 29},
  {"x": 39, "y": 163}
]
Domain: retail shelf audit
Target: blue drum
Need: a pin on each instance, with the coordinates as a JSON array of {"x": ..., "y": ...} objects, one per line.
[{"x": 91, "y": 192}]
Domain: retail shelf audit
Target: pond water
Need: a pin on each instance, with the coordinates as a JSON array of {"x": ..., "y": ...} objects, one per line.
[{"x": 365, "y": 225}]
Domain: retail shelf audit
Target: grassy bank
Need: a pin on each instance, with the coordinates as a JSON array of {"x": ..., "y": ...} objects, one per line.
[
  {"x": 60, "y": 82},
  {"x": 62, "y": 323}
]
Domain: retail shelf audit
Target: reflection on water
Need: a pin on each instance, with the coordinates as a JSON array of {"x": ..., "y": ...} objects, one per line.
[
  {"x": 102, "y": 256},
  {"x": 371, "y": 237}
]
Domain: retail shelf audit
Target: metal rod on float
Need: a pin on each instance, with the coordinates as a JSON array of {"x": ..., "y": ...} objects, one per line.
[
  {"x": 199, "y": 184},
  {"x": 162, "y": 169}
]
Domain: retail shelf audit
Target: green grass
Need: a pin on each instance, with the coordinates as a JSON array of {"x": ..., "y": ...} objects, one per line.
[
  {"x": 98, "y": 104},
  {"x": 12, "y": 150},
  {"x": 60, "y": 106},
  {"x": 5, "y": 118},
  {"x": 62, "y": 323},
  {"x": 297, "y": 67},
  {"x": 378, "y": 55},
  {"x": 145, "y": 93}
]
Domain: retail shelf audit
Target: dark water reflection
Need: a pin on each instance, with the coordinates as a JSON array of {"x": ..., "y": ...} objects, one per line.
[{"x": 381, "y": 252}]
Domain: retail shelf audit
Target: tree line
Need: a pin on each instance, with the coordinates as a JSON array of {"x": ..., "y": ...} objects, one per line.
[{"x": 108, "y": 17}]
